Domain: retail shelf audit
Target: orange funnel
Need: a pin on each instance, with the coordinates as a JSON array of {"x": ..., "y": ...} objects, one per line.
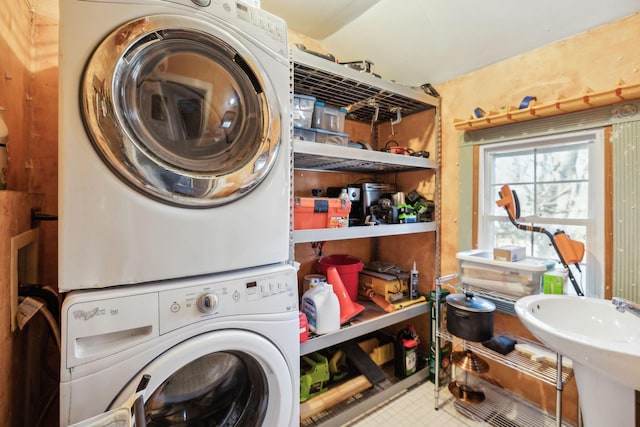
[{"x": 348, "y": 308}]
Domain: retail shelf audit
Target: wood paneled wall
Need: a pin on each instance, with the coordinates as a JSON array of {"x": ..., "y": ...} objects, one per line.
[
  {"x": 597, "y": 59},
  {"x": 28, "y": 91},
  {"x": 14, "y": 213}
]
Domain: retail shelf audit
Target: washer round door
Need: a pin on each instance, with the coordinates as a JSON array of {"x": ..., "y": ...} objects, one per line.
[
  {"x": 226, "y": 378},
  {"x": 181, "y": 111}
]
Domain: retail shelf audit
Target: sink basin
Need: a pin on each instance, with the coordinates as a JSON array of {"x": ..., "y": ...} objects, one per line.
[{"x": 604, "y": 345}]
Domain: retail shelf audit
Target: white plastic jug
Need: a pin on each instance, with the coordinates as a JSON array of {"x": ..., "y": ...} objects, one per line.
[{"x": 322, "y": 308}]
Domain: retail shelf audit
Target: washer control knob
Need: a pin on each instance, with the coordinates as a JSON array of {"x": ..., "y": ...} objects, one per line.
[{"x": 207, "y": 302}]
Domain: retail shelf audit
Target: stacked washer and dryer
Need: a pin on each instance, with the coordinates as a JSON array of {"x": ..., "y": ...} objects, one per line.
[{"x": 175, "y": 182}]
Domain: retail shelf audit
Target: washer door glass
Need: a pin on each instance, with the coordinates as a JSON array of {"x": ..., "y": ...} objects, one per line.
[
  {"x": 229, "y": 377},
  {"x": 180, "y": 111},
  {"x": 220, "y": 389}
]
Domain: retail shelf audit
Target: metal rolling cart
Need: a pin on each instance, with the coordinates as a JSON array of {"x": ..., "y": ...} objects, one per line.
[{"x": 556, "y": 377}]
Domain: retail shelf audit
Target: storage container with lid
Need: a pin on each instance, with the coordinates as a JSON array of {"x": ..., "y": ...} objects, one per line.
[
  {"x": 330, "y": 137},
  {"x": 477, "y": 268},
  {"x": 328, "y": 118},
  {"x": 304, "y": 133},
  {"x": 303, "y": 106},
  {"x": 320, "y": 212}
]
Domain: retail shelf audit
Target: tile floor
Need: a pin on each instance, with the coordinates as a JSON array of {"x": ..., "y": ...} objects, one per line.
[{"x": 416, "y": 408}]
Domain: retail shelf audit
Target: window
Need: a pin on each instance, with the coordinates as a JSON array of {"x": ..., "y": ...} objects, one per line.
[{"x": 559, "y": 181}]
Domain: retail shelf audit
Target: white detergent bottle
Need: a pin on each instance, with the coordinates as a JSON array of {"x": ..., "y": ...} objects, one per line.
[
  {"x": 322, "y": 308},
  {"x": 308, "y": 305}
]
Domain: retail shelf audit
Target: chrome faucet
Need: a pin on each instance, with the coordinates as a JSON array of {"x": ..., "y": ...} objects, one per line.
[{"x": 623, "y": 305}]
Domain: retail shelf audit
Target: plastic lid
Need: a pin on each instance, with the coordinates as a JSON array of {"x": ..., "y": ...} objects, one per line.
[
  {"x": 298, "y": 95},
  {"x": 468, "y": 301},
  {"x": 304, "y": 127},
  {"x": 486, "y": 257},
  {"x": 330, "y": 132}
]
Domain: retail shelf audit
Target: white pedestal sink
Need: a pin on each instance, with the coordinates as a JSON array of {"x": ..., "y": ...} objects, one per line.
[{"x": 602, "y": 342}]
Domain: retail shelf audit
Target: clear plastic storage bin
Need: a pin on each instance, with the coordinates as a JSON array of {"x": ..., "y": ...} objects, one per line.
[
  {"x": 305, "y": 134},
  {"x": 328, "y": 118},
  {"x": 303, "y": 106},
  {"x": 478, "y": 269},
  {"x": 329, "y": 137}
]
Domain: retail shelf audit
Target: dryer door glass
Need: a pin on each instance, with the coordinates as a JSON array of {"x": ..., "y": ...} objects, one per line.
[
  {"x": 220, "y": 389},
  {"x": 181, "y": 113}
]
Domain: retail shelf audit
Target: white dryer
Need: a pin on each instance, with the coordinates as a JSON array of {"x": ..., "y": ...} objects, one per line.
[
  {"x": 174, "y": 148},
  {"x": 223, "y": 348}
]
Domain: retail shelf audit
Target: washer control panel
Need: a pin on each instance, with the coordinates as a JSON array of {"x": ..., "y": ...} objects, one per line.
[
  {"x": 244, "y": 295},
  {"x": 99, "y": 323}
]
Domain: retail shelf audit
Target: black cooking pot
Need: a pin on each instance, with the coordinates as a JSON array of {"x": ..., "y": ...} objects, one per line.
[{"x": 470, "y": 317}]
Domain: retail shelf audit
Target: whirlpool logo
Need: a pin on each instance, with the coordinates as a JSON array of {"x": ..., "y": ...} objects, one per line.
[{"x": 86, "y": 315}]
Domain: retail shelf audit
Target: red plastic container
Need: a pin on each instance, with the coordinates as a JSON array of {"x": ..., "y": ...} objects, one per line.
[
  {"x": 348, "y": 268},
  {"x": 304, "y": 327}
]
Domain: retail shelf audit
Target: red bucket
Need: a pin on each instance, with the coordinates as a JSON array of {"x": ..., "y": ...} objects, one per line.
[{"x": 348, "y": 268}]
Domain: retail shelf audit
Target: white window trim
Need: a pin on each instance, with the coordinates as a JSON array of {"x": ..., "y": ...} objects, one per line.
[{"x": 592, "y": 282}]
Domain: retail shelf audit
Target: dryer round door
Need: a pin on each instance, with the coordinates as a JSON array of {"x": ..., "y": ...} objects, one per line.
[
  {"x": 181, "y": 111},
  {"x": 227, "y": 378}
]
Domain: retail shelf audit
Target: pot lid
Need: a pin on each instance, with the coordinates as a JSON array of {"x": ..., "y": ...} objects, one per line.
[{"x": 468, "y": 301}]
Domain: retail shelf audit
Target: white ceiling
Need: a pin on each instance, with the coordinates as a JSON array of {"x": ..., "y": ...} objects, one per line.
[{"x": 431, "y": 41}]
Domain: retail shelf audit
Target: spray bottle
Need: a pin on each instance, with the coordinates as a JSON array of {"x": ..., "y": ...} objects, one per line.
[{"x": 413, "y": 284}]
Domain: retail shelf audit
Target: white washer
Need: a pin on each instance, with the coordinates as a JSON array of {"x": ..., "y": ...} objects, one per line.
[
  {"x": 174, "y": 155},
  {"x": 223, "y": 347}
]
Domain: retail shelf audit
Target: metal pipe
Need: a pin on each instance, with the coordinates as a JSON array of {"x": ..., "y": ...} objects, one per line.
[
  {"x": 436, "y": 342},
  {"x": 623, "y": 305},
  {"x": 559, "y": 387}
]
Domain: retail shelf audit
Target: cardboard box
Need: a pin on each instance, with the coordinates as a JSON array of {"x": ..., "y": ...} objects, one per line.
[
  {"x": 553, "y": 282},
  {"x": 441, "y": 345},
  {"x": 509, "y": 253},
  {"x": 320, "y": 212},
  {"x": 379, "y": 353}
]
